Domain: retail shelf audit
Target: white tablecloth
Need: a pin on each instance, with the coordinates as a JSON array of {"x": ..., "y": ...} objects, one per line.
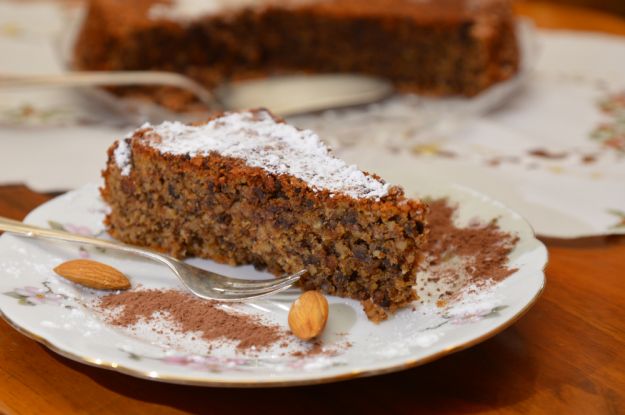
[{"x": 555, "y": 151}]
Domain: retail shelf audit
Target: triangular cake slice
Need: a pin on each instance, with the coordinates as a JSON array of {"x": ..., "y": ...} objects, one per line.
[{"x": 248, "y": 188}]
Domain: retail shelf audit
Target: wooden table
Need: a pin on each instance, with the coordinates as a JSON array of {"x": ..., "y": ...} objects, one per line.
[{"x": 567, "y": 355}]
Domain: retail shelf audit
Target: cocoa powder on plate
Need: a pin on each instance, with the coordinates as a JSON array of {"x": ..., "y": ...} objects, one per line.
[
  {"x": 191, "y": 314},
  {"x": 486, "y": 245}
]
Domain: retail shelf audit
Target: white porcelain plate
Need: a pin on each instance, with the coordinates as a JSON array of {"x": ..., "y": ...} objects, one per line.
[{"x": 56, "y": 313}]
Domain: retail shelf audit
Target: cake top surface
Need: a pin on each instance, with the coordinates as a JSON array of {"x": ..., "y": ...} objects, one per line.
[
  {"x": 188, "y": 10},
  {"x": 260, "y": 140}
]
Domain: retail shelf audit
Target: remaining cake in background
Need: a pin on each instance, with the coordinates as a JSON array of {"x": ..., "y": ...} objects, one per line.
[
  {"x": 435, "y": 47},
  {"x": 247, "y": 188}
]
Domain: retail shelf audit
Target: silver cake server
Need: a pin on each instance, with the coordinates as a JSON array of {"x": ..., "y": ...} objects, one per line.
[{"x": 283, "y": 95}]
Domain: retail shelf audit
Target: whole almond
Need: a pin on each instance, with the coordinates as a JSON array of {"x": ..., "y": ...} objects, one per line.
[
  {"x": 93, "y": 274},
  {"x": 308, "y": 315}
]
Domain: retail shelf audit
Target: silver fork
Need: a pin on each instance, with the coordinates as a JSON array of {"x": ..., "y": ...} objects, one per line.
[{"x": 202, "y": 283}]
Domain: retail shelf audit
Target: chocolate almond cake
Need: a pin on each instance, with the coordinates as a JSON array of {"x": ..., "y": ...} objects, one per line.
[
  {"x": 247, "y": 188},
  {"x": 435, "y": 47}
]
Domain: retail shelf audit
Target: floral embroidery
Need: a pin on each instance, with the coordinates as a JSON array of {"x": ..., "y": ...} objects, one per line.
[
  {"x": 431, "y": 149},
  {"x": 30, "y": 115},
  {"x": 10, "y": 30},
  {"x": 611, "y": 134},
  {"x": 620, "y": 217}
]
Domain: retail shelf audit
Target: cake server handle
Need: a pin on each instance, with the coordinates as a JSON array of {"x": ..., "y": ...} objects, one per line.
[{"x": 110, "y": 78}]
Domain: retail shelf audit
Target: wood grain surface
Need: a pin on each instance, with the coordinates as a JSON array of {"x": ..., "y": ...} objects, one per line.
[{"x": 566, "y": 356}]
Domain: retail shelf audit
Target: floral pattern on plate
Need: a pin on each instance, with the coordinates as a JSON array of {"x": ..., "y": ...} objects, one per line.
[
  {"x": 412, "y": 336},
  {"x": 31, "y": 296}
]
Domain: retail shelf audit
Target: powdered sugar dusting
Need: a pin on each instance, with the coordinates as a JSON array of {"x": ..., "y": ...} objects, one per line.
[
  {"x": 260, "y": 141},
  {"x": 121, "y": 155},
  {"x": 190, "y": 9}
]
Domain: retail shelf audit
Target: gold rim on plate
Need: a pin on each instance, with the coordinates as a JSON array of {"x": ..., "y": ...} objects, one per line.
[
  {"x": 182, "y": 380},
  {"x": 216, "y": 382}
]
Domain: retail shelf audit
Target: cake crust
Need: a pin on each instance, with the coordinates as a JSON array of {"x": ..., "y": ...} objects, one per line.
[{"x": 219, "y": 207}]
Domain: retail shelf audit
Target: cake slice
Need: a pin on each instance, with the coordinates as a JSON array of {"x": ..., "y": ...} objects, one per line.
[
  {"x": 434, "y": 47},
  {"x": 247, "y": 188}
]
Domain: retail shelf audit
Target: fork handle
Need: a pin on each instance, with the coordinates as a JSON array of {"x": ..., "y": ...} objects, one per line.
[{"x": 30, "y": 231}]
